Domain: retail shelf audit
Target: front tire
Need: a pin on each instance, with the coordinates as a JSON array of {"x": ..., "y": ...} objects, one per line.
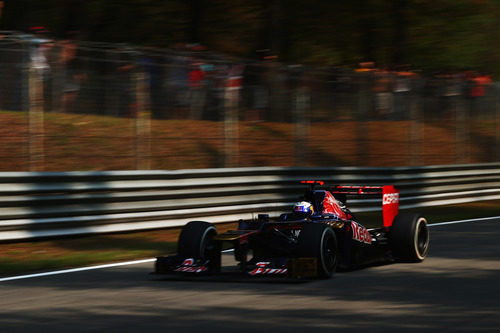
[
  {"x": 196, "y": 241},
  {"x": 409, "y": 237},
  {"x": 317, "y": 240}
]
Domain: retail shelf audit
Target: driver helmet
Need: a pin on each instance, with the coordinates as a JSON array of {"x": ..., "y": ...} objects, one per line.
[{"x": 303, "y": 208}]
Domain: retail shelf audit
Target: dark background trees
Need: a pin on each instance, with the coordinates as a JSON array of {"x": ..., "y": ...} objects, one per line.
[{"x": 426, "y": 34}]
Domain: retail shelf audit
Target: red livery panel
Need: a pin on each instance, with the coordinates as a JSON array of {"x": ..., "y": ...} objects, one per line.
[{"x": 390, "y": 204}]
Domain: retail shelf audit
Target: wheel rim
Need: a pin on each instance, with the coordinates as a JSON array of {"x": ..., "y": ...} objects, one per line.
[
  {"x": 329, "y": 253},
  {"x": 207, "y": 246},
  {"x": 421, "y": 238}
]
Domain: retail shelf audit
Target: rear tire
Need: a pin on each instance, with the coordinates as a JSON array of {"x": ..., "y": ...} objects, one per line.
[
  {"x": 196, "y": 241},
  {"x": 317, "y": 240},
  {"x": 409, "y": 237}
]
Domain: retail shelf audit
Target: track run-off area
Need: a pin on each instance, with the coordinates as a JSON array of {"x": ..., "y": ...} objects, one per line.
[{"x": 455, "y": 289}]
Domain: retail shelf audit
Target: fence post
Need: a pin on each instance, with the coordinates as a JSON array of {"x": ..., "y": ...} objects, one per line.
[
  {"x": 35, "y": 120},
  {"x": 301, "y": 106},
  {"x": 362, "y": 117},
  {"x": 142, "y": 123},
  {"x": 462, "y": 140},
  {"x": 230, "y": 127},
  {"x": 414, "y": 140},
  {"x": 497, "y": 121},
  {"x": 231, "y": 106}
]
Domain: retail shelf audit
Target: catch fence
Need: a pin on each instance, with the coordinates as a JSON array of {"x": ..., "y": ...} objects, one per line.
[{"x": 230, "y": 112}]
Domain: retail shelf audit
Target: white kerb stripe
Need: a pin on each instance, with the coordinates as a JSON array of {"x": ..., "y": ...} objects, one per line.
[
  {"x": 73, "y": 270},
  {"x": 465, "y": 221}
]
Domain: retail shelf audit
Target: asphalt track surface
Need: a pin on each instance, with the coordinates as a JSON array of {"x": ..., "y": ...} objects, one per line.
[{"x": 456, "y": 289}]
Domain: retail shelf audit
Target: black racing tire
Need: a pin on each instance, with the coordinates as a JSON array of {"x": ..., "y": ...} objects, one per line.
[
  {"x": 196, "y": 240},
  {"x": 318, "y": 240},
  {"x": 409, "y": 237}
]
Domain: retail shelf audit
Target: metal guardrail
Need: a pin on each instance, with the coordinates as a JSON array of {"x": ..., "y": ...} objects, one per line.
[{"x": 37, "y": 205}]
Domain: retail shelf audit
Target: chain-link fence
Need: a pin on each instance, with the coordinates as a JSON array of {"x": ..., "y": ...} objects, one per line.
[{"x": 192, "y": 108}]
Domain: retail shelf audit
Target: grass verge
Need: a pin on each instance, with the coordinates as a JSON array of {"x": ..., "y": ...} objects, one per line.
[{"x": 45, "y": 255}]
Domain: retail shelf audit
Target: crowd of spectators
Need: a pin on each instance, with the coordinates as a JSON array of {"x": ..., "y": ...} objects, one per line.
[
  {"x": 188, "y": 81},
  {"x": 439, "y": 94}
]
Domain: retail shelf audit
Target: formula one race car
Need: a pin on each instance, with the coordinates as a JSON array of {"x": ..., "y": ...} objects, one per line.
[{"x": 318, "y": 237}]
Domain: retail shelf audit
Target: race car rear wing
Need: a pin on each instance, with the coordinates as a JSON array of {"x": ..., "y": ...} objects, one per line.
[{"x": 390, "y": 196}]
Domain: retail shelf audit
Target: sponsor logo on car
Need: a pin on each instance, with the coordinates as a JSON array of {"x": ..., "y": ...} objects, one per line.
[
  {"x": 263, "y": 269},
  {"x": 360, "y": 233},
  {"x": 390, "y": 198},
  {"x": 188, "y": 266}
]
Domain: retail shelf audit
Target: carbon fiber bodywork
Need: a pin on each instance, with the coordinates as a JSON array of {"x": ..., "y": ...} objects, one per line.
[{"x": 292, "y": 245}]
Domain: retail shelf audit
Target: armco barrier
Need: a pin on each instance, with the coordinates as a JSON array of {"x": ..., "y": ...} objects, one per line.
[{"x": 37, "y": 205}]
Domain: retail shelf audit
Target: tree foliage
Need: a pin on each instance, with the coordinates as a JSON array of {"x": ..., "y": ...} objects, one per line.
[{"x": 427, "y": 34}]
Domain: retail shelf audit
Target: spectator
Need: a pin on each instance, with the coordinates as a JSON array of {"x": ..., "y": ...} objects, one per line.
[
  {"x": 39, "y": 60},
  {"x": 383, "y": 94},
  {"x": 401, "y": 93},
  {"x": 196, "y": 89},
  {"x": 255, "y": 92},
  {"x": 73, "y": 74},
  {"x": 125, "y": 83},
  {"x": 478, "y": 84},
  {"x": 450, "y": 94},
  {"x": 177, "y": 85}
]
